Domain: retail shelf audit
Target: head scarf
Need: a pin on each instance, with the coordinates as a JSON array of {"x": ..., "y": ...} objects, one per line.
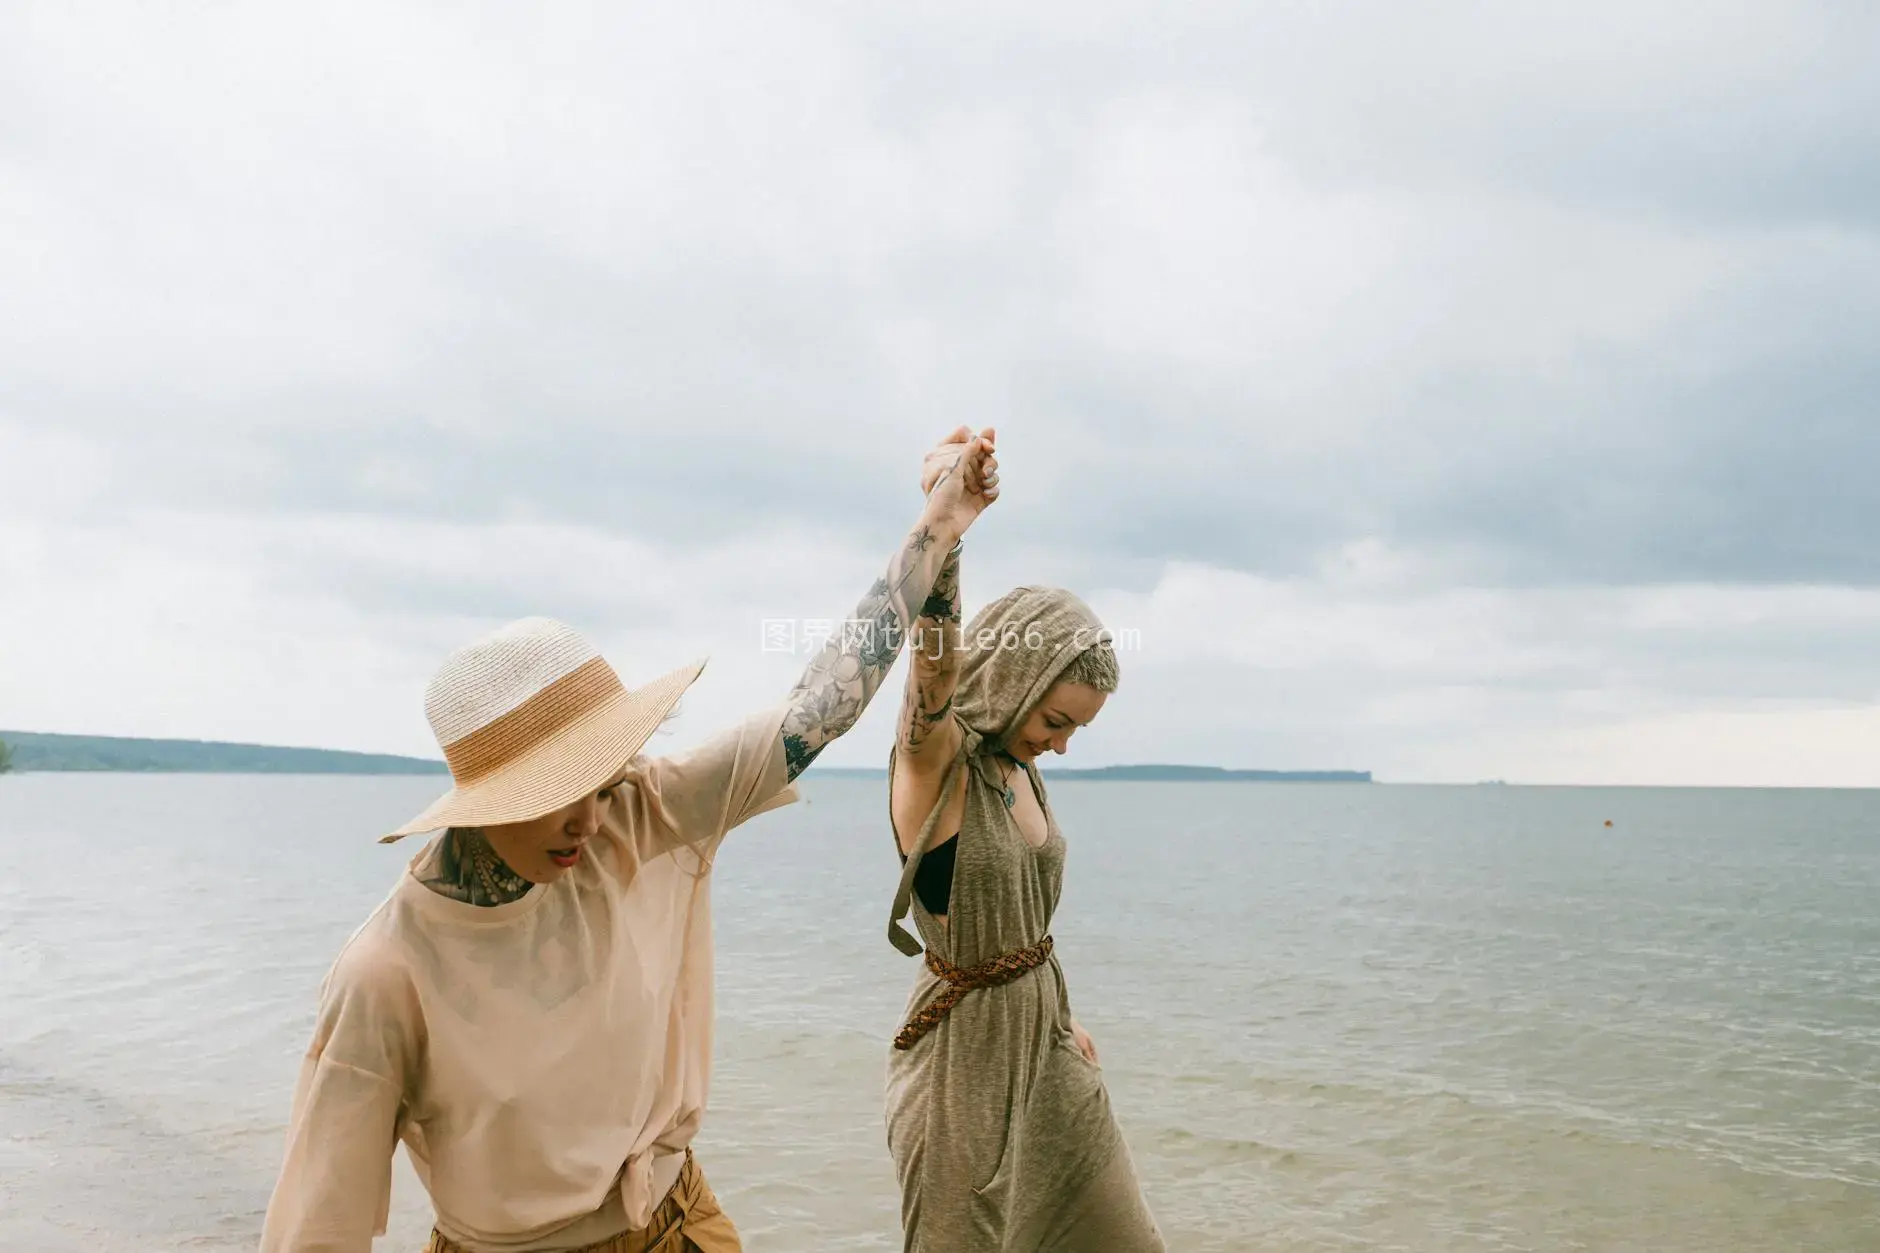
[{"x": 1013, "y": 651}]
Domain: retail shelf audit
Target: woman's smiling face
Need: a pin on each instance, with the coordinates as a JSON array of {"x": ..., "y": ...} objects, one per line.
[{"x": 1065, "y": 709}]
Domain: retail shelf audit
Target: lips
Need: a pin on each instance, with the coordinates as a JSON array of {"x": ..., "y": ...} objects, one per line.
[{"x": 564, "y": 857}]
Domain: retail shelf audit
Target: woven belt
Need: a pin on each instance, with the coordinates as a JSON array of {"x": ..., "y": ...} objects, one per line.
[{"x": 963, "y": 979}]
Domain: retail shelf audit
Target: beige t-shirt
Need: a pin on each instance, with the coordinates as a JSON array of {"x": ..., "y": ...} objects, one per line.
[{"x": 545, "y": 1062}]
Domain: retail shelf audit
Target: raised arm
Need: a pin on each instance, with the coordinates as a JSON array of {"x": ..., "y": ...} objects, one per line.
[
  {"x": 841, "y": 679},
  {"x": 933, "y": 671}
]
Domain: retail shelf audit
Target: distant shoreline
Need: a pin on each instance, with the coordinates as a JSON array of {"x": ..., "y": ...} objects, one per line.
[
  {"x": 35, "y": 752},
  {"x": 1148, "y": 774},
  {"x": 39, "y": 752}
]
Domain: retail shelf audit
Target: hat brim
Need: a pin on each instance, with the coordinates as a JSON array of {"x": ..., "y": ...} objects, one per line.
[{"x": 578, "y": 760}]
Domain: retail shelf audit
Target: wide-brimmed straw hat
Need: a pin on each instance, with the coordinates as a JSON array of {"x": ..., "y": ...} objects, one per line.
[{"x": 531, "y": 717}]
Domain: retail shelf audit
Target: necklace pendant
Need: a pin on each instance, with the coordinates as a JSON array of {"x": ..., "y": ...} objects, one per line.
[{"x": 1011, "y": 798}]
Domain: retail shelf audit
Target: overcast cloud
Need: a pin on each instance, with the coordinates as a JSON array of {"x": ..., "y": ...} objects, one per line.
[{"x": 1454, "y": 391}]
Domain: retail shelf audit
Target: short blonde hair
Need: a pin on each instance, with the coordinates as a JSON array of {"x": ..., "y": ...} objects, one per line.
[{"x": 1094, "y": 667}]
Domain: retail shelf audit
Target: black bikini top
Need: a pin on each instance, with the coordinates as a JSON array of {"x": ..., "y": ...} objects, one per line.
[{"x": 933, "y": 878}]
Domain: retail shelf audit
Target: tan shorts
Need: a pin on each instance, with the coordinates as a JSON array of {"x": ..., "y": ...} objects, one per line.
[{"x": 688, "y": 1221}]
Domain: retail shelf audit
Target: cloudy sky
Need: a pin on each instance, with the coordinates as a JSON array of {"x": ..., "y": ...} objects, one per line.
[{"x": 1455, "y": 391}]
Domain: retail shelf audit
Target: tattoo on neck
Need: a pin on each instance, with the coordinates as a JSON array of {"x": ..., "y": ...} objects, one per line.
[{"x": 465, "y": 867}]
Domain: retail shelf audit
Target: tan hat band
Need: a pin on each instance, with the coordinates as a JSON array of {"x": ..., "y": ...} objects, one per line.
[{"x": 552, "y": 710}]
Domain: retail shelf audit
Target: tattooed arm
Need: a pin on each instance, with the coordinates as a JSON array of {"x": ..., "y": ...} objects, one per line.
[
  {"x": 844, "y": 677},
  {"x": 962, "y": 478},
  {"x": 926, "y": 732}
]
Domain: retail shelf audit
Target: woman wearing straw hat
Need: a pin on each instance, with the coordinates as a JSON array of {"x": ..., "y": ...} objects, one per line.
[
  {"x": 530, "y": 1009},
  {"x": 998, "y": 1120}
]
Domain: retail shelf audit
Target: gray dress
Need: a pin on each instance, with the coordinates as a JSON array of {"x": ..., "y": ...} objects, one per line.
[{"x": 1000, "y": 1128}]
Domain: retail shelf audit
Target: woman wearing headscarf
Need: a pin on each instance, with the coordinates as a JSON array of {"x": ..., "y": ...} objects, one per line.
[
  {"x": 998, "y": 1120},
  {"x": 530, "y": 1008}
]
